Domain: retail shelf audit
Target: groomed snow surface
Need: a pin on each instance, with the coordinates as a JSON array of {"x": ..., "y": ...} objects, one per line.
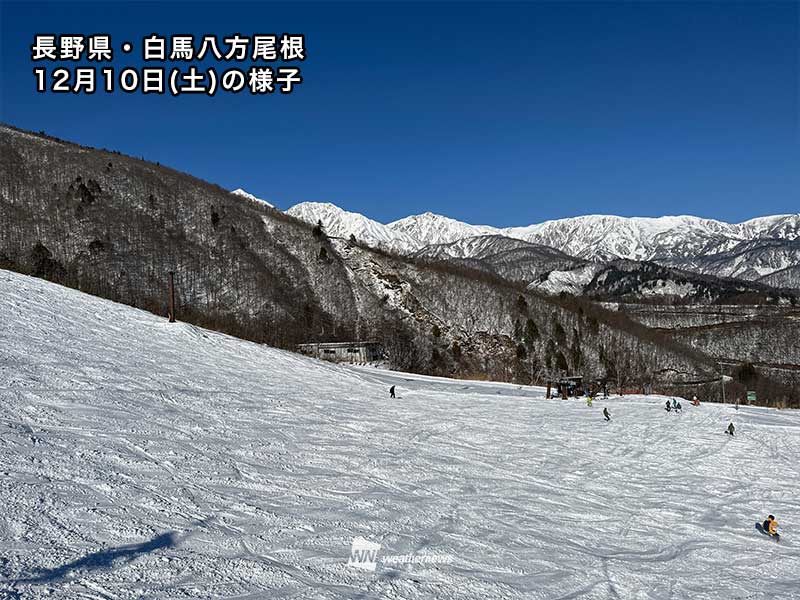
[{"x": 142, "y": 459}]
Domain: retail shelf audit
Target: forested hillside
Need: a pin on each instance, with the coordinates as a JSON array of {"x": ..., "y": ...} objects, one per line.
[
  {"x": 763, "y": 337},
  {"x": 115, "y": 226}
]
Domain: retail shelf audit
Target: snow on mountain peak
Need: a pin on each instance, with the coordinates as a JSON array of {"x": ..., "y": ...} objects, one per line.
[
  {"x": 670, "y": 239},
  {"x": 243, "y": 194},
  {"x": 338, "y": 222},
  {"x": 430, "y": 228},
  {"x": 604, "y": 237}
]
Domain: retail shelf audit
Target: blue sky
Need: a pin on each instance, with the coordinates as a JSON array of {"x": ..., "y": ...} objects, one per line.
[{"x": 505, "y": 114}]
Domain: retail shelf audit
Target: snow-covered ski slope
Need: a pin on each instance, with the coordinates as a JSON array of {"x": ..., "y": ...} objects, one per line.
[{"x": 141, "y": 459}]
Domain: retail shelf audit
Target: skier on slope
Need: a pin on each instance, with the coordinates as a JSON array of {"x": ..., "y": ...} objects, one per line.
[
  {"x": 606, "y": 414},
  {"x": 589, "y": 401},
  {"x": 678, "y": 408},
  {"x": 674, "y": 404},
  {"x": 695, "y": 401},
  {"x": 730, "y": 429},
  {"x": 667, "y": 406},
  {"x": 391, "y": 392}
]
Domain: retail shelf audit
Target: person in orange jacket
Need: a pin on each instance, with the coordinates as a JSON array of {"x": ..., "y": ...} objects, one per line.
[{"x": 771, "y": 526}]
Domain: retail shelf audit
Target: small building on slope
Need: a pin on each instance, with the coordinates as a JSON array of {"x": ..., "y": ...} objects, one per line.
[{"x": 349, "y": 352}]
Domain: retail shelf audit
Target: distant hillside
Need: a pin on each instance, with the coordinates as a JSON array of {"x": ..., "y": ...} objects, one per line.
[
  {"x": 788, "y": 278},
  {"x": 645, "y": 281},
  {"x": 763, "y": 335},
  {"x": 115, "y": 226},
  {"x": 512, "y": 259},
  {"x": 753, "y": 260},
  {"x": 632, "y": 280}
]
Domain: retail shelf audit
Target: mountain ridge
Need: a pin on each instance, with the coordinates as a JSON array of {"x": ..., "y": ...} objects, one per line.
[{"x": 683, "y": 241}]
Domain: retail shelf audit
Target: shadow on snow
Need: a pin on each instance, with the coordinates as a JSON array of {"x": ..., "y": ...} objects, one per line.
[{"x": 102, "y": 559}]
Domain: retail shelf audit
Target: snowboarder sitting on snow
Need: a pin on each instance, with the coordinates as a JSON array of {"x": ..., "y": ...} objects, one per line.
[
  {"x": 730, "y": 430},
  {"x": 391, "y": 392},
  {"x": 606, "y": 415},
  {"x": 770, "y": 526},
  {"x": 679, "y": 408}
]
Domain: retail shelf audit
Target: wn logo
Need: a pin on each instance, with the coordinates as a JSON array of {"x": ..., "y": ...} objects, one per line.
[{"x": 363, "y": 554}]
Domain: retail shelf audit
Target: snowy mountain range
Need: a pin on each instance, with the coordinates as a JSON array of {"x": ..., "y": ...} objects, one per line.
[{"x": 750, "y": 250}]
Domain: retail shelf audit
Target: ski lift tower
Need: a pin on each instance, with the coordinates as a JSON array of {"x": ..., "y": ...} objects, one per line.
[{"x": 723, "y": 379}]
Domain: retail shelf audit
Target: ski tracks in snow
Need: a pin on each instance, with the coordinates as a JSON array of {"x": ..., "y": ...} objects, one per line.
[{"x": 148, "y": 460}]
